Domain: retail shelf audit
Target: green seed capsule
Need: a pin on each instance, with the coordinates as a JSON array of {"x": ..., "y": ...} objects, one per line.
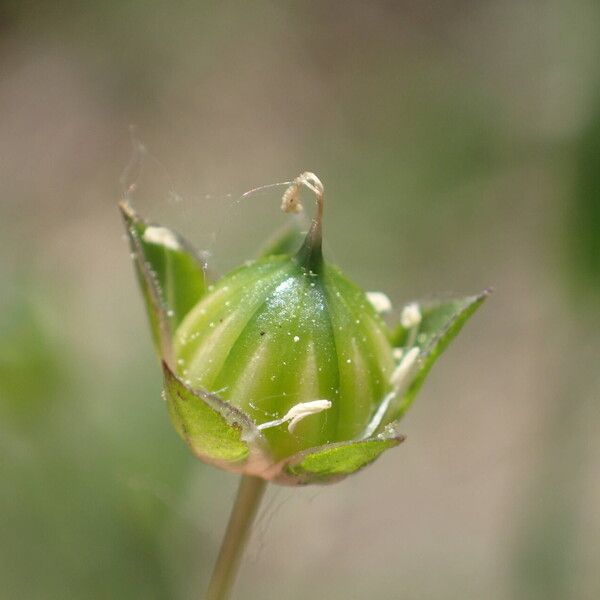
[
  {"x": 283, "y": 369},
  {"x": 285, "y": 331}
]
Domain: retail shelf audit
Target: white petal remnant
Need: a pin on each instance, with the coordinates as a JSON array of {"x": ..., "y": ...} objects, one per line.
[
  {"x": 381, "y": 303},
  {"x": 400, "y": 380},
  {"x": 304, "y": 409},
  {"x": 297, "y": 413},
  {"x": 411, "y": 316},
  {"x": 404, "y": 369},
  {"x": 162, "y": 237}
]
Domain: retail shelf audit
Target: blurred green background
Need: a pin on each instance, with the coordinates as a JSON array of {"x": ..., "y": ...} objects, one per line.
[{"x": 459, "y": 143}]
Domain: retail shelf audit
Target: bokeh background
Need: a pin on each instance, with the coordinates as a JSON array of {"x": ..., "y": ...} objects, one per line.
[{"x": 459, "y": 143}]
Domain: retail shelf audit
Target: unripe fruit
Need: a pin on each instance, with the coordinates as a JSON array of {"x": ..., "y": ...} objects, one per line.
[
  {"x": 276, "y": 333},
  {"x": 283, "y": 369}
]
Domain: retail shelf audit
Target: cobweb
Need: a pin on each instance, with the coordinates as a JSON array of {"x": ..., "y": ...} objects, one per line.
[{"x": 229, "y": 227}]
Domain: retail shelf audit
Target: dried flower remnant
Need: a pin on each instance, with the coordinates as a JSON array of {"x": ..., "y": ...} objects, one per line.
[
  {"x": 380, "y": 301},
  {"x": 411, "y": 316},
  {"x": 297, "y": 413}
]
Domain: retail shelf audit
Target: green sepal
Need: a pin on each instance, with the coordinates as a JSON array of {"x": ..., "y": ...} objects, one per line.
[
  {"x": 216, "y": 432},
  {"x": 440, "y": 324},
  {"x": 285, "y": 241},
  {"x": 171, "y": 275},
  {"x": 332, "y": 462}
]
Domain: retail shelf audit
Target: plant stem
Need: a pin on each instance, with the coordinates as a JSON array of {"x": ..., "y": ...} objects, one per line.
[{"x": 242, "y": 516}]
